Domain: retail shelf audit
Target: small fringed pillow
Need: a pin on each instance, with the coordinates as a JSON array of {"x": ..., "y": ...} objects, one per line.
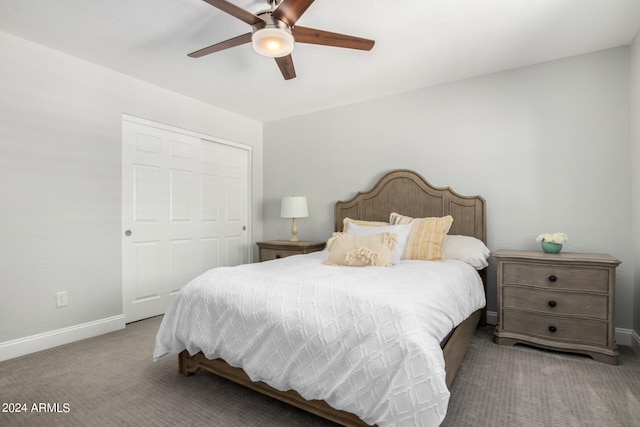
[{"x": 361, "y": 251}]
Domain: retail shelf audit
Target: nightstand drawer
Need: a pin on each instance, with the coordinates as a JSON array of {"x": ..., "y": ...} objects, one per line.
[
  {"x": 578, "y": 331},
  {"x": 556, "y": 277},
  {"x": 275, "y": 249},
  {"x": 269, "y": 254},
  {"x": 556, "y": 302}
]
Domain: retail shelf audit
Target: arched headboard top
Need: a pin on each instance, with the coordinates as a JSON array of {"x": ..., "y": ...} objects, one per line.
[{"x": 408, "y": 193}]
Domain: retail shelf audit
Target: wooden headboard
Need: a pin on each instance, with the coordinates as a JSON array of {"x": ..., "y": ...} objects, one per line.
[{"x": 408, "y": 193}]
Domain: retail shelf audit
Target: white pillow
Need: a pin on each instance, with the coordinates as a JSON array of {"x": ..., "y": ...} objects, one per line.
[
  {"x": 401, "y": 231},
  {"x": 468, "y": 249}
]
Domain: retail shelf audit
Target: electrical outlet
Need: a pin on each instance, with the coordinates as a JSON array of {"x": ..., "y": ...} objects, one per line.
[{"x": 61, "y": 299}]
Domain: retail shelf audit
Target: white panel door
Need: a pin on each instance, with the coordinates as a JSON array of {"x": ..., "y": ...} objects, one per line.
[{"x": 185, "y": 210}]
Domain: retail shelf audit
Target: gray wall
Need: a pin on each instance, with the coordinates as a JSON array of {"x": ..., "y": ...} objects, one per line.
[
  {"x": 635, "y": 159},
  {"x": 547, "y": 146},
  {"x": 60, "y": 181}
]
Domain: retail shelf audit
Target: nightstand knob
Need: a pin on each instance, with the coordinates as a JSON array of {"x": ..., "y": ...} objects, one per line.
[
  {"x": 552, "y": 304},
  {"x": 552, "y": 278},
  {"x": 552, "y": 329}
]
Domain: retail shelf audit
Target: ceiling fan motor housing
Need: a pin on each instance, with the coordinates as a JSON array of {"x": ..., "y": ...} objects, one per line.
[{"x": 271, "y": 37}]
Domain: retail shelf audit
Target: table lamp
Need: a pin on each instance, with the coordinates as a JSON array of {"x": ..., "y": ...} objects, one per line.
[{"x": 294, "y": 207}]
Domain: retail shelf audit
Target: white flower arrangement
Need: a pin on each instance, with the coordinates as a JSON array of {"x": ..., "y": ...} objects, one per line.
[{"x": 558, "y": 238}]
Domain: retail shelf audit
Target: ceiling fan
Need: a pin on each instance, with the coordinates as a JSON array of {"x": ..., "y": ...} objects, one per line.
[{"x": 273, "y": 33}]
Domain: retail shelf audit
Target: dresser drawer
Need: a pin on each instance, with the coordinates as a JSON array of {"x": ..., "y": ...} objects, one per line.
[
  {"x": 556, "y": 328},
  {"x": 556, "y": 302},
  {"x": 556, "y": 277}
]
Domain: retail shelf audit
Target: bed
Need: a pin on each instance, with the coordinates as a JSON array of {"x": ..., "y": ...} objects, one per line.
[{"x": 401, "y": 191}]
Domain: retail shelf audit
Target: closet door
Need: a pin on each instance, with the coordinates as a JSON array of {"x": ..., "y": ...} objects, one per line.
[{"x": 185, "y": 209}]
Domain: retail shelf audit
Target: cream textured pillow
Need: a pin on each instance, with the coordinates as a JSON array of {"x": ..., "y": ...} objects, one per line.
[
  {"x": 347, "y": 221},
  {"x": 401, "y": 231},
  {"x": 360, "y": 251},
  {"x": 426, "y": 238}
]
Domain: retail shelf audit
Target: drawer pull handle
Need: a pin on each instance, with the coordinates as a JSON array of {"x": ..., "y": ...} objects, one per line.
[
  {"x": 552, "y": 304},
  {"x": 552, "y": 278},
  {"x": 553, "y": 329}
]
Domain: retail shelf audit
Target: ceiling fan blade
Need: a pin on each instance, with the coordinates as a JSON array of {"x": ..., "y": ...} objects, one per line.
[
  {"x": 285, "y": 63},
  {"x": 326, "y": 38},
  {"x": 289, "y": 11},
  {"x": 235, "y": 11},
  {"x": 236, "y": 41}
]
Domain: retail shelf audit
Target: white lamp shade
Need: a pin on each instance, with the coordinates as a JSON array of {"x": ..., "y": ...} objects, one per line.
[
  {"x": 272, "y": 42},
  {"x": 294, "y": 207}
]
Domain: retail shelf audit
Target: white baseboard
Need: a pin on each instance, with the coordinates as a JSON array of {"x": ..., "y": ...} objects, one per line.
[
  {"x": 492, "y": 317},
  {"x": 624, "y": 336},
  {"x": 46, "y": 340},
  {"x": 635, "y": 342},
  {"x": 629, "y": 338}
]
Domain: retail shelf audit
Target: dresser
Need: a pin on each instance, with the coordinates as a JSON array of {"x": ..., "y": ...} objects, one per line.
[
  {"x": 562, "y": 301},
  {"x": 274, "y": 249}
]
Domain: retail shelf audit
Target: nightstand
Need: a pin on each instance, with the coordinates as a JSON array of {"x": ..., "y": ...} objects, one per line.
[
  {"x": 562, "y": 301},
  {"x": 274, "y": 249}
]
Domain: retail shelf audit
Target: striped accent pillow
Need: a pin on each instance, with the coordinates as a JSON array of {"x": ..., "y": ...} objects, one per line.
[{"x": 426, "y": 239}]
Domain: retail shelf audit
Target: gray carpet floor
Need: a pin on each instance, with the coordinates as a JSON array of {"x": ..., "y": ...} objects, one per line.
[{"x": 111, "y": 381}]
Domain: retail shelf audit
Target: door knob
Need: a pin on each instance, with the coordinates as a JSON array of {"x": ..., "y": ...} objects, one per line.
[{"x": 127, "y": 233}]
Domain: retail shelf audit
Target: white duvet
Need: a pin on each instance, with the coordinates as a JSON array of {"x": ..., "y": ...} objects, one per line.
[{"x": 363, "y": 339}]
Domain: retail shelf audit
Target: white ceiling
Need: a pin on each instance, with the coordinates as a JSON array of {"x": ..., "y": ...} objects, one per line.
[{"x": 418, "y": 43}]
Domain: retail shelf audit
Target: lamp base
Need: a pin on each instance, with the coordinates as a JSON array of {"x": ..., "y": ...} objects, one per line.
[{"x": 294, "y": 231}]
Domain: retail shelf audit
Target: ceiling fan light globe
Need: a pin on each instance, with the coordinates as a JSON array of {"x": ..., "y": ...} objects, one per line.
[{"x": 272, "y": 42}]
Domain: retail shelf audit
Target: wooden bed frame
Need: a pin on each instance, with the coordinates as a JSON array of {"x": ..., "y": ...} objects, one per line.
[{"x": 407, "y": 193}]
